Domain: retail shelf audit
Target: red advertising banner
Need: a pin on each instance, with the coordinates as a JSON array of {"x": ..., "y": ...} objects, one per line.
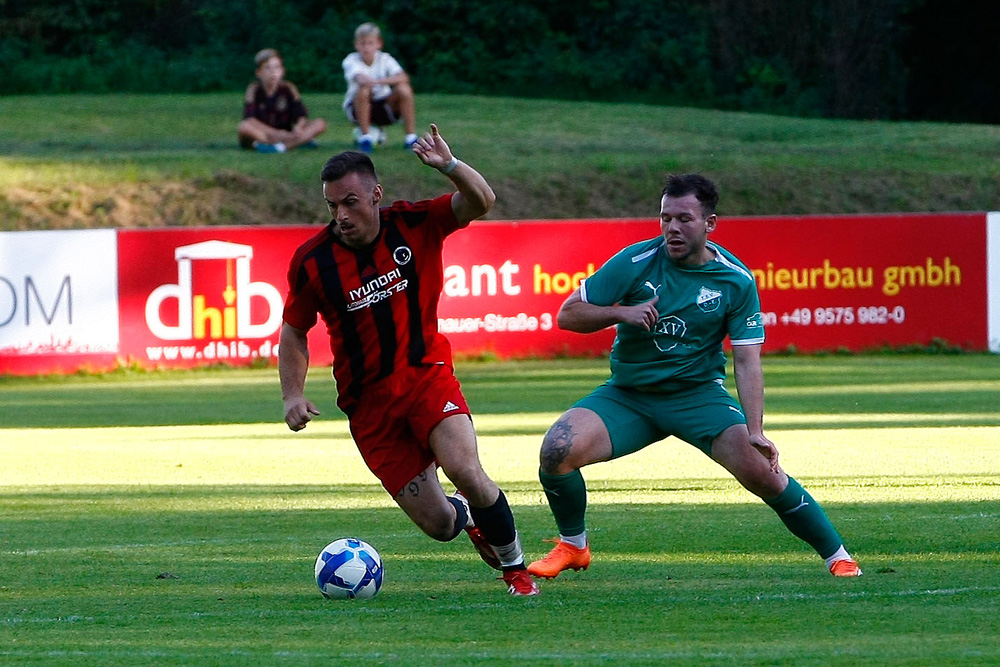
[
  {"x": 190, "y": 297},
  {"x": 505, "y": 282},
  {"x": 857, "y": 282},
  {"x": 826, "y": 282},
  {"x": 183, "y": 297}
]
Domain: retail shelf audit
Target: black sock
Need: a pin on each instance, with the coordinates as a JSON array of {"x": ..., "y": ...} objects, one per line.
[
  {"x": 495, "y": 522},
  {"x": 461, "y": 518}
]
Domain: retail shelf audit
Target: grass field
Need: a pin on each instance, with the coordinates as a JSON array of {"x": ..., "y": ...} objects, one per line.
[{"x": 171, "y": 518}]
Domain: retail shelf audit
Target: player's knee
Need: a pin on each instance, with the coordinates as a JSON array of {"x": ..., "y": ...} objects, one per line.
[
  {"x": 763, "y": 483},
  {"x": 554, "y": 458},
  {"x": 475, "y": 484}
]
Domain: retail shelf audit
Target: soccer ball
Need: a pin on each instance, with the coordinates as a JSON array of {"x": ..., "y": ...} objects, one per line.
[{"x": 349, "y": 568}]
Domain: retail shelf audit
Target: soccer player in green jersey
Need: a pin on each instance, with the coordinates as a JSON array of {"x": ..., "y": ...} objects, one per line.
[{"x": 674, "y": 299}]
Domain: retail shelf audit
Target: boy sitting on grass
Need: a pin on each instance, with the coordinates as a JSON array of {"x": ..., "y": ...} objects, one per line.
[
  {"x": 274, "y": 118},
  {"x": 378, "y": 91}
]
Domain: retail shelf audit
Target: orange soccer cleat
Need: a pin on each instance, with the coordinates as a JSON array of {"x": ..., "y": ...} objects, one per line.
[
  {"x": 563, "y": 557},
  {"x": 520, "y": 584},
  {"x": 845, "y": 568}
]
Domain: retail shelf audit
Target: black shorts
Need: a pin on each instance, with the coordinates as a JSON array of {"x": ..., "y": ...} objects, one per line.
[{"x": 382, "y": 114}]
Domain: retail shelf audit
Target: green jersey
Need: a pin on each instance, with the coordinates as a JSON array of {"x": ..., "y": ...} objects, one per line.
[{"x": 698, "y": 307}]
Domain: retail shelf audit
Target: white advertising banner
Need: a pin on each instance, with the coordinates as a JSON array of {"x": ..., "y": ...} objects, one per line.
[{"x": 58, "y": 292}]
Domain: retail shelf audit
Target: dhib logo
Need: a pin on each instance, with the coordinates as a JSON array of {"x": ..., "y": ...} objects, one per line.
[{"x": 231, "y": 316}]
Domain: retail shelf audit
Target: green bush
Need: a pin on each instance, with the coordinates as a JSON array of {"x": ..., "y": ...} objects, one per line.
[{"x": 825, "y": 58}]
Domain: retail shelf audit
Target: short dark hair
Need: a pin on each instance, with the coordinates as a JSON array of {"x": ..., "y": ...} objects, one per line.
[
  {"x": 345, "y": 163},
  {"x": 264, "y": 55},
  {"x": 702, "y": 188}
]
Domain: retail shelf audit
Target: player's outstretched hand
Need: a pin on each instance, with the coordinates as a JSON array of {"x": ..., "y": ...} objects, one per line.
[
  {"x": 432, "y": 149},
  {"x": 299, "y": 411}
]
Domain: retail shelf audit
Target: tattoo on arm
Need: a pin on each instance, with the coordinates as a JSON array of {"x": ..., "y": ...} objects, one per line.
[{"x": 555, "y": 448}]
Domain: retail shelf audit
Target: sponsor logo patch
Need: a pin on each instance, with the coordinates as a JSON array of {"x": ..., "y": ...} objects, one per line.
[{"x": 377, "y": 289}]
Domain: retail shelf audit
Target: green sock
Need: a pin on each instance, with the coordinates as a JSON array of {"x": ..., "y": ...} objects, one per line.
[
  {"x": 567, "y": 496},
  {"x": 806, "y": 519}
]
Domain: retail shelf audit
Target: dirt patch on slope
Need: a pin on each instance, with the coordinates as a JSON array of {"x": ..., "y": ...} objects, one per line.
[
  {"x": 228, "y": 198},
  {"x": 233, "y": 198}
]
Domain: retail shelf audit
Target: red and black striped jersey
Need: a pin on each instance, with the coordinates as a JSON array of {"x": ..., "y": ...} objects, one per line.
[{"x": 379, "y": 303}]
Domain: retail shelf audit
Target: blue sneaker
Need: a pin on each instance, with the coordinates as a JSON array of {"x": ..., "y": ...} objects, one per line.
[
  {"x": 409, "y": 141},
  {"x": 270, "y": 148},
  {"x": 365, "y": 144}
]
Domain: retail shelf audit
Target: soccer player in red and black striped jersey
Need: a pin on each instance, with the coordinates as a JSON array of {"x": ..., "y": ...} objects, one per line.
[{"x": 374, "y": 275}]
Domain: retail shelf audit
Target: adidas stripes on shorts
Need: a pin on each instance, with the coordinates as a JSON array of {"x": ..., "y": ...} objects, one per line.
[{"x": 393, "y": 421}]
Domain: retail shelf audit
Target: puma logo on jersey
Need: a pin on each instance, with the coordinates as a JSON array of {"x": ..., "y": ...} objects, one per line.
[
  {"x": 650, "y": 286},
  {"x": 450, "y": 407}
]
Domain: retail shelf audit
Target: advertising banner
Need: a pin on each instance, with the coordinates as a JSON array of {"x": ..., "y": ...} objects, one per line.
[
  {"x": 825, "y": 282},
  {"x": 192, "y": 297},
  {"x": 860, "y": 282},
  {"x": 505, "y": 281},
  {"x": 58, "y": 300},
  {"x": 184, "y": 297},
  {"x": 993, "y": 279}
]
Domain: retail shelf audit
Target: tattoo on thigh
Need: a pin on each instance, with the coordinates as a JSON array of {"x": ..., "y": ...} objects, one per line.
[
  {"x": 558, "y": 441},
  {"x": 413, "y": 487}
]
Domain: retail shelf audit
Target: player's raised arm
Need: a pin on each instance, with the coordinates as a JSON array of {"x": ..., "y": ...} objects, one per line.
[{"x": 475, "y": 197}]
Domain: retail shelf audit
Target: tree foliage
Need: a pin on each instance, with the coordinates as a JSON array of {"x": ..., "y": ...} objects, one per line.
[{"x": 834, "y": 58}]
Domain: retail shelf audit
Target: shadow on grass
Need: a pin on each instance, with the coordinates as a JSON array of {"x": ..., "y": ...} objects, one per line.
[{"x": 224, "y": 575}]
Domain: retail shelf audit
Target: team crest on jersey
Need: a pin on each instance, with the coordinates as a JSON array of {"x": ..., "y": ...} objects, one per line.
[
  {"x": 402, "y": 255},
  {"x": 708, "y": 299}
]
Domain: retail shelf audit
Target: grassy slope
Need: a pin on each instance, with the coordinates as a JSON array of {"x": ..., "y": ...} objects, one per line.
[{"x": 146, "y": 160}]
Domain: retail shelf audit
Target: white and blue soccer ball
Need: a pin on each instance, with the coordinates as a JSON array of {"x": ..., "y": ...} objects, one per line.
[{"x": 349, "y": 568}]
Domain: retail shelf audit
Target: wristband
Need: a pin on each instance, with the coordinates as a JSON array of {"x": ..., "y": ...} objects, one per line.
[{"x": 450, "y": 167}]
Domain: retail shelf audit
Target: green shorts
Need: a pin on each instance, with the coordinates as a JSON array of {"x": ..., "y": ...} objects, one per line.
[{"x": 635, "y": 419}]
